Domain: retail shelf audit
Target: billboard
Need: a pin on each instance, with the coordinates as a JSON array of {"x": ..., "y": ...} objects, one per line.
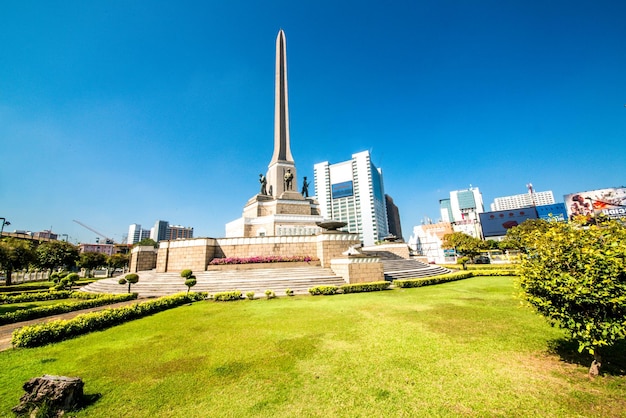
[
  {"x": 554, "y": 211},
  {"x": 344, "y": 189},
  {"x": 495, "y": 224},
  {"x": 610, "y": 202}
]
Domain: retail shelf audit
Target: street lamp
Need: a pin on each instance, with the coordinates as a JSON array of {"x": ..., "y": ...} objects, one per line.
[{"x": 4, "y": 222}]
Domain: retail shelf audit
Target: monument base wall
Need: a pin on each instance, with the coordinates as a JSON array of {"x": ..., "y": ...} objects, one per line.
[
  {"x": 142, "y": 258},
  {"x": 358, "y": 269},
  {"x": 195, "y": 254}
]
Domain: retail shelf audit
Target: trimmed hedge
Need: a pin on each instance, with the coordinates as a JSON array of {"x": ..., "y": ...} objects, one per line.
[
  {"x": 365, "y": 287},
  {"x": 54, "y": 331},
  {"x": 460, "y": 275},
  {"x": 38, "y": 286},
  {"x": 34, "y": 297},
  {"x": 481, "y": 266},
  {"x": 226, "y": 296},
  {"x": 42, "y": 296},
  {"x": 427, "y": 281},
  {"x": 323, "y": 290},
  {"x": 43, "y": 311}
]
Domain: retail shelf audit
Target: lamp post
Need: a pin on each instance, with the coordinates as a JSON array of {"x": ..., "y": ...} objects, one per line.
[{"x": 4, "y": 222}]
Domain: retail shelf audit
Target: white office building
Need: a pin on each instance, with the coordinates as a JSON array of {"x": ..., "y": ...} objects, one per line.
[
  {"x": 522, "y": 201},
  {"x": 352, "y": 191},
  {"x": 461, "y": 209},
  {"x": 136, "y": 234}
]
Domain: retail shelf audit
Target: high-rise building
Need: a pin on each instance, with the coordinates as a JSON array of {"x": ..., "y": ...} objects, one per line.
[
  {"x": 352, "y": 191},
  {"x": 159, "y": 231},
  {"x": 393, "y": 218},
  {"x": 179, "y": 232},
  {"x": 136, "y": 234},
  {"x": 461, "y": 209},
  {"x": 522, "y": 200},
  {"x": 163, "y": 231}
]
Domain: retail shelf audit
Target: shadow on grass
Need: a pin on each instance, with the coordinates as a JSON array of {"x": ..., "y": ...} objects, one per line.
[{"x": 613, "y": 358}]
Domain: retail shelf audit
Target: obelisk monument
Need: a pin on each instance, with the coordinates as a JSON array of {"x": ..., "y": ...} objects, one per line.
[
  {"x": 282, "y": 161},
  {"x": 279, "y": 209}
]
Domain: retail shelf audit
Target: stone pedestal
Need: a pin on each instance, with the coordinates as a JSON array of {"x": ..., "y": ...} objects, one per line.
[{"x": 358, "y": 269}]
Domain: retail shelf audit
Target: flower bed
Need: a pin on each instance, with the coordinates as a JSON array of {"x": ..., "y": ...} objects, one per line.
[{"x": 260, "y": 260}]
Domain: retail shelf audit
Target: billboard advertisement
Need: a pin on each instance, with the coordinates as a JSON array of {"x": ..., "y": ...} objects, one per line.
[
  {"x": 554, "y": 211},
  {"x": 610, "y": 202},
  {"x": 344, "y": 189},
  {"x": 495, "y": 224}
]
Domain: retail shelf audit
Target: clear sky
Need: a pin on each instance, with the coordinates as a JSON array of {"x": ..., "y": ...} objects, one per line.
[{"x": 118, "y": 112}]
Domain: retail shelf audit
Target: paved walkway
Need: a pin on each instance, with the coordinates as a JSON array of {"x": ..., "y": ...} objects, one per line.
[{"x": 6, "y": 331}]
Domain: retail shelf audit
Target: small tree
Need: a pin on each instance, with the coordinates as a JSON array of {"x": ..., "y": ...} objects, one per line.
[
  {"x": 131, "y": 278},
  {"x": 54, "y": 254},
  {"x": 464, "y": 244},
  {"x": 90, "y": 261},
  {"x": 116, "y": 261},
  {"x": 15, "y": 254},
  {"x": 575, "y": 276}
]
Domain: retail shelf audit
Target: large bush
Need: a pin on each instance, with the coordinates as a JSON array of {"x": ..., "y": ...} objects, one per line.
[{"x": 575, "y": 276}]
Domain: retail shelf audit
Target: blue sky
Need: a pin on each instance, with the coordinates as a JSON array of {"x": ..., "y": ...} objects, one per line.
[{"x": 117, "y": 112}]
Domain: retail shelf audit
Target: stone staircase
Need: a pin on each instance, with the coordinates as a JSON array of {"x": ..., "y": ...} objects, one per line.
[
  {"x": 298, "y": 279},
  {"x": 153, "y": 284},
  {"x": 396, "y": 267}
]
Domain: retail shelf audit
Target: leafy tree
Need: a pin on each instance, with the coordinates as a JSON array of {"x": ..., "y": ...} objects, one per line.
[
  {"x": 54, "y": 254},
  {"x": 15, "y": 254},
  {"x": 516, "y": 237},
  {"x": 116, "y": 261},
  {"x": 464, "y": 244},
  {"x": 90, "y": 261},
  {"x": 575, "y": 276},
  {"x": 147, "y": 242},
  {"x": 131, "y": 278}
]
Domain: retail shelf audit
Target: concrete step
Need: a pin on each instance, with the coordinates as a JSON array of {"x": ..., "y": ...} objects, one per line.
[{"x": 298, "y": 279}]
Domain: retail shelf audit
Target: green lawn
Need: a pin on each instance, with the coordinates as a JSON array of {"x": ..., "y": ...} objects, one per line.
[{"x": 465, "y": 348}]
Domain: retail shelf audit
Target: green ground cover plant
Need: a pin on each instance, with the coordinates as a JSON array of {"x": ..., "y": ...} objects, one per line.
[{"x": 467, "y": 348}]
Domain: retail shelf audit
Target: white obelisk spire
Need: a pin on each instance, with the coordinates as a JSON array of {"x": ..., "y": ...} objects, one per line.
[{"x": 282, "y": 162}]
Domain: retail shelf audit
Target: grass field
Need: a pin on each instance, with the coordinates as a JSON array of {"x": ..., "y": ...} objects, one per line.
[{"x": 465, "y": 348}]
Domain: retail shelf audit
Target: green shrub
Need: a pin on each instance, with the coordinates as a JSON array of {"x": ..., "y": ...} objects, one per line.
[
  {"x": 427, "y": 281},
  {"x": 226, "y": 296},
  {"x": 49, "y": 332},
  {"x": 186, "y": 273},
  {"x": 250, "y": 295},
  {"x": 43, "y": 311},
  {"x": 270, "y": 294},
  {"x": 35, "y": 297},
  {"x": 365, "y": 287},
  {"x": 289, "y": 292},
  {"x": 323, "y": 290}
]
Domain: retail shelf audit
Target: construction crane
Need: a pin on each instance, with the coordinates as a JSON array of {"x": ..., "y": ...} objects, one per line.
[{"x": 107, "y": 240}]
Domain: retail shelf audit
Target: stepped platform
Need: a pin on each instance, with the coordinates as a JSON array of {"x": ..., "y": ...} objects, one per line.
[
  {"x": 258, "y": 280},
  {"x": 153, "y": 284},
  {"x": 396, "y": 267}
]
